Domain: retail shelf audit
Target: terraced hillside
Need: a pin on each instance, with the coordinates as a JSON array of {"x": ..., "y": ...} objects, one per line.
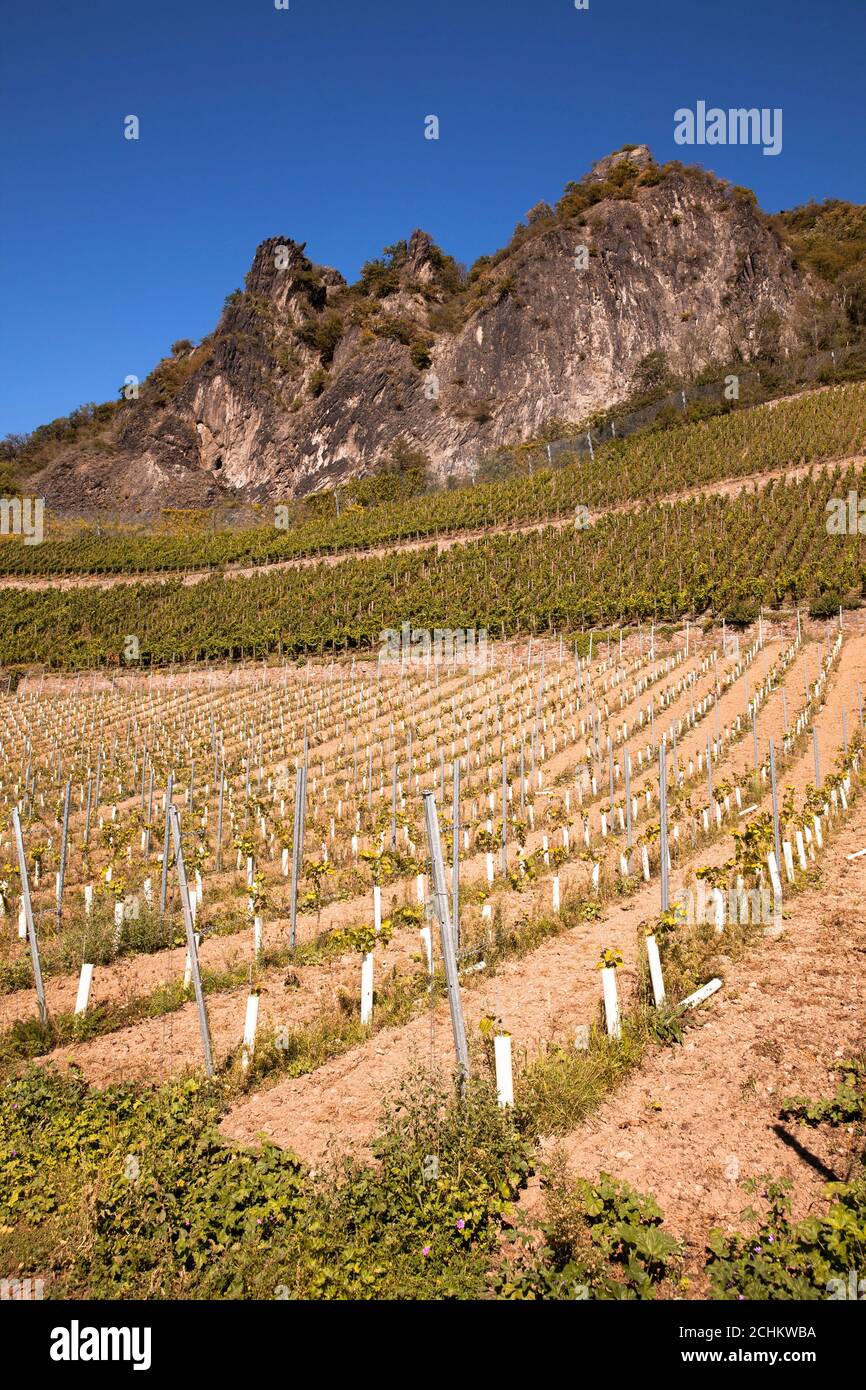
[
  {"x": 810, "y": 428},
  {"x": 223, "y": 953}
]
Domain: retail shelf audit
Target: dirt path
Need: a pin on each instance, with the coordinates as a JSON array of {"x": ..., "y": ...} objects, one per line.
[{"x": 731, "y": 487}]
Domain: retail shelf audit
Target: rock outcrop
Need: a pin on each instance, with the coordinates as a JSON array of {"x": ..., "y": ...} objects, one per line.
[{"x": 308, "y": 380}]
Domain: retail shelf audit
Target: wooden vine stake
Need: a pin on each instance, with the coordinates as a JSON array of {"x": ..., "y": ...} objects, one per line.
[
  {"x": 773, "y": 787},
  {"x": 28, "y": 918},
  {"x": 774, "y": 858},
  {"x": 297, "y": 849},
  {"x": 61, "y": 876},
  {"x": 628, "y": 829},
  {"x": 455, "y": 861},
  {"x": 219, "y": 838},
  {"x": 166, "y": 841},
  {"x": 504, "y": 818},
  {"x": 663, "y": 826},
  {"x": 440, "y": 907},
  {"x": 191, "y": 944}
]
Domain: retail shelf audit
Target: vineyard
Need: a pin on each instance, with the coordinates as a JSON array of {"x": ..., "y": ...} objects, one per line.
[
  {"x": 722, "y": 556},
  {"x": 811, "y": 428},
  {"x": 224, "y": 926},
  {"x": 461, "y": 922}
]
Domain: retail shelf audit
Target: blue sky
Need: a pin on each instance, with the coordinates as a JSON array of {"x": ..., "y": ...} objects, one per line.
[{"x": 309, "y": 123}]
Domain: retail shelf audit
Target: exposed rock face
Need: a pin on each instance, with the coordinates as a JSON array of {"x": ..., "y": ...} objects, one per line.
[
  {"x": 307, "y": 380},
  {"x": 638, "y": 155}
]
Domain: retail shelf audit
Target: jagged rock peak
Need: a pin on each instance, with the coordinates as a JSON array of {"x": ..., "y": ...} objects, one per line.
[
  {"x": 308, "y": 380},
  {"x": 638, "y": 155},
  {"x": 420, "y": 257},
  {"x": 281, "y": 267}
]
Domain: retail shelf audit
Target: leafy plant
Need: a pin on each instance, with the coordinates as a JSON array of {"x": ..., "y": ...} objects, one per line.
[
  {"x": 363, "y": 939},
  {"x": 610, "y": 959},
  {"x": 602, "y": 1240}
]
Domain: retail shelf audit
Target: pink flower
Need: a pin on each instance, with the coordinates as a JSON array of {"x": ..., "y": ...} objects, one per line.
[
  {"x": 426, "y": 1250},
  {"x": 460, "y": 1224}
]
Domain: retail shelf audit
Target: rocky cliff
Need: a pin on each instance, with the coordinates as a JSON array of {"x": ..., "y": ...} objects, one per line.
[{"x": 307, "y": 380}]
